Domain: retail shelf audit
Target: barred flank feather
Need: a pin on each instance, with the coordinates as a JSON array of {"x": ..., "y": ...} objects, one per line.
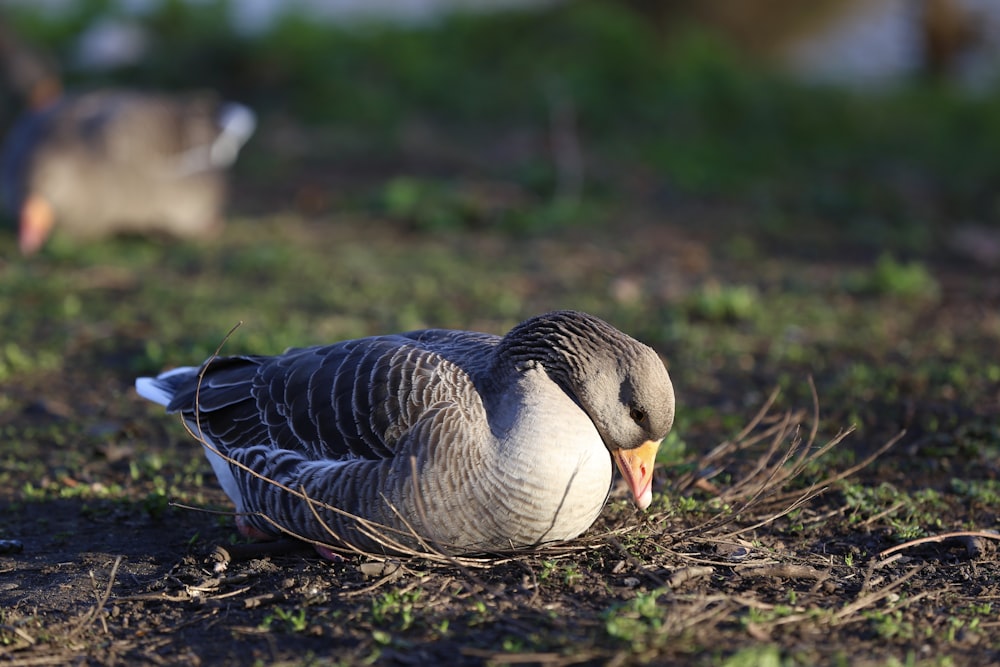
[{"x": 466, "y": 441}]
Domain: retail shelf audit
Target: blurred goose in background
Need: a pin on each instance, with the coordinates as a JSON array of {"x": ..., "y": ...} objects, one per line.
[
  {"x": 452, "y": 440},
  {"x": 103, "y": 162}
]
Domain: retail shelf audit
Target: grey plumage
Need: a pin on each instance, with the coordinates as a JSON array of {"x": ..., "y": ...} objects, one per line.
[
  {"x": 112, "y": 161},
  {"x": 477, "y": 443}
]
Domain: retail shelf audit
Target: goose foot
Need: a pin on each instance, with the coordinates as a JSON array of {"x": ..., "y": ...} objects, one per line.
[
  {"x": 251, "y": 532},
  {"x": 328, "y": 554}
]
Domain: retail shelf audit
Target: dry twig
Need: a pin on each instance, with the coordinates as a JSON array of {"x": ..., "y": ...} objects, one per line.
[
  {"x": 982, "y": 534},
  {"x": 102, "y": 599}
]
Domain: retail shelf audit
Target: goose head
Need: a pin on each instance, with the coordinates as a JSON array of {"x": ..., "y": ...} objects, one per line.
[{"x": 619, "y": 382}]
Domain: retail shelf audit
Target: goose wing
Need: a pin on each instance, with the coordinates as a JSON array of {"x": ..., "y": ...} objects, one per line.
[{"x": 355, "y": 399}]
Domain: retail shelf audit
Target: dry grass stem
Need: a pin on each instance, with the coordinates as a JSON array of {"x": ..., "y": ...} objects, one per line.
[
  {"x": 981, "y": 534},
  {"x": 97, "y": 611},
  {"x": 848, "y": 613},
  {"x": 757, "y": 498}
]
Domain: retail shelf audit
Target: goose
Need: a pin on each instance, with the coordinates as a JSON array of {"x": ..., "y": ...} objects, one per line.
[
  {"x": 456, "y": 441},
  {"x": 107, "y": 161}
]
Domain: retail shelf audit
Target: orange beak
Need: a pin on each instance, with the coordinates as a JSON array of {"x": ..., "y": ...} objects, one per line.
[
  {"x": 636, "y": 466},
  {"x": 37, "y": 220}
]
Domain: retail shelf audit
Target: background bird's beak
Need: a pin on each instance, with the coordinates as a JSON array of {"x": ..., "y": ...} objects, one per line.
[
  {"x": 636, "y": 466},
  {"x": 37, "y": 219}
]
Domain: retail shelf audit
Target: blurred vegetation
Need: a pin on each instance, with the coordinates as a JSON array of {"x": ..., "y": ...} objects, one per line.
[
  {"x": 697, "y": 166},
  {"x": 663, "y": 120},
  {"x": 884, "y": 170}
]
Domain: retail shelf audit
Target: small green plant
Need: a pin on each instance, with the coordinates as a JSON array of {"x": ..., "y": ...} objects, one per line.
[
  {"x": 156, "y": 504},
  {"x": 983, "y": 491},
  {"x": 984, "y": 609},
  {"x": 757, "y": 616},
  {"x": 890, "y": 624},
  {"x": 569, "y": 572},
  {"x": 286, "y": 620},
  {"x": 395, "y": 608},
  {"x": 14, "y": 360},
  {"x": 715, "y": 302},
  {"x": 910, "y": 515},
  {"x": 423, "y": 204},
  {"x": 767, "y": 655},
  {"x": 638, "y": 621},
  {"x": 450, "y": 207},
  {"x": 687, "y": 504},
  {"x": 572, "y": 574},
  {"x": 513, "y": 644},
  {"x": 673, "y": 449},
  {"x": 904, "y": 280}
]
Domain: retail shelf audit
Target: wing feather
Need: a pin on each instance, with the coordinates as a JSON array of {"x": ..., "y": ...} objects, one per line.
[{"x": 356, "y": 399}]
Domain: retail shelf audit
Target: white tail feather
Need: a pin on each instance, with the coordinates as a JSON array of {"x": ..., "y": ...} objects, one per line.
[
  {"x": 222, "y": 469},
  {"x": 158, "y": 391}
]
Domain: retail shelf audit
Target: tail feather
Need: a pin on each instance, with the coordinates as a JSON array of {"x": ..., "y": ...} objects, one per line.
[
  {"x": 164, "y": 386},
  {"x": 237, "y": 124},
  {"x": 163, "y": 389}
]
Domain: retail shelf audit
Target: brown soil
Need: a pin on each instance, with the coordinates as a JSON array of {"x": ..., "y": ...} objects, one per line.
[{"x": 105, "y": 571}]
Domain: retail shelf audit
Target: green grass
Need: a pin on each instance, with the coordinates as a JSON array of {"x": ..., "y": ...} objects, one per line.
[
  {"x": 904, "y": 280},
  {"x": 830, "y": 270},
  {"x": 687, "y": 107},
  {"x": 285, "y": 620},
  {"x": 637, "y": 621},
  {"x": 908, "y": 515}
]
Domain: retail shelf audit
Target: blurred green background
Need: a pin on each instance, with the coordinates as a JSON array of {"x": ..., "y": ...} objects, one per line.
[
  {"x": 765, "y": 191},
  {"x": 679, "y": 100},
  {"x": 706, "y": 178}
]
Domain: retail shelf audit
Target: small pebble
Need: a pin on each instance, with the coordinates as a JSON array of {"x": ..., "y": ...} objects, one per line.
[
  {"x": 732, "y": 552},
  {"x": 373, "y": 569}
]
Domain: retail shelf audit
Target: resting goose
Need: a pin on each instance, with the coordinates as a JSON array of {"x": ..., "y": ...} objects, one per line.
[
  {"x": 473, "y": 442},
  {"x": 120, "y": 161}
]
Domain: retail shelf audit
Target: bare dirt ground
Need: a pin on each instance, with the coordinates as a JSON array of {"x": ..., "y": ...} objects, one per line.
[
  {"x": 432, "y": 194},
  {"x": 105, "y": 562}
]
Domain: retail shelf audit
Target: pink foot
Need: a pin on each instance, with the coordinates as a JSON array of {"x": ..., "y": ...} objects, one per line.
[
  {"x": 328, "y": 554},
  {"x": 252, "y": 533}
]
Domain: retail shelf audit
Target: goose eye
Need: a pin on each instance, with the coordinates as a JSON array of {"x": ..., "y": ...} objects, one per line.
[{"x": 637, "y": 415}]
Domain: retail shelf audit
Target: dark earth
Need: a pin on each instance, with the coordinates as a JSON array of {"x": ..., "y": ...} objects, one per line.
[
  {"x": 821, "y": 274},
  {"x": 109, "y": 557}
]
